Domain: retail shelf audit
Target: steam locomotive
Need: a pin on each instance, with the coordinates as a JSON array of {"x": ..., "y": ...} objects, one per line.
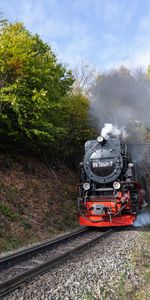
[{"x": 110, "y": 192}]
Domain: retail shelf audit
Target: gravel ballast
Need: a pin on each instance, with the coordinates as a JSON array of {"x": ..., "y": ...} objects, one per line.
[
  {"x": 98, "y": 273},
  {"x": 44, "y": 255}
]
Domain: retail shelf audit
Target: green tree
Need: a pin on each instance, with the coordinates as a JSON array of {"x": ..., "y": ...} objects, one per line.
[
  {"x": 75, "y": 118},
  {"x": 32, "y": 84},
  {"x": 39, "y": 109}
]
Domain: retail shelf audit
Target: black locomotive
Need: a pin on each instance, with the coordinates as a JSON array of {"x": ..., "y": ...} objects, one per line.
[{"x": 110, "y": 193}]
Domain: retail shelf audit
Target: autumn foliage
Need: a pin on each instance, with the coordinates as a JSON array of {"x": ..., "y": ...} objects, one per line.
[{"x": 38, "y": 110}]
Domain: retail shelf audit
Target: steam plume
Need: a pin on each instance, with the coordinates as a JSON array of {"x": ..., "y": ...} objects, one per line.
[
  {"x": 122, "y": 99},
  {"x": 142, "y": 219},
  {"x": 110, "y": 129},
  {"x": 119, "y": 97}
]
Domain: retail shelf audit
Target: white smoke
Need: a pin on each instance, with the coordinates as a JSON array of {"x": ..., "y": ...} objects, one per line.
[
  {"x": 110, "y": 129},
  {"x": 142, "y": 219},
  {"x": 124, "y": 134}
]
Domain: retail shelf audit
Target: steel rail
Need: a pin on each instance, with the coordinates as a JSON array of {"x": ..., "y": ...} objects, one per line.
[
  {"x": 18, "y": 256},
  {"x": 13, "y": 283}
]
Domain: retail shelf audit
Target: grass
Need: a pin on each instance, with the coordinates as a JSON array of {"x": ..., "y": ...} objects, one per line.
[
  {"x": 88, "y": 296},
  {"x": 26, "y": 224},
  {"x": 15, "y": 242},
  {"x": 7, "y": 212},
  {"x": 141, "y": 263},
  {"x": 121, "y": 290},
  {"x": 9, "y": 244}
]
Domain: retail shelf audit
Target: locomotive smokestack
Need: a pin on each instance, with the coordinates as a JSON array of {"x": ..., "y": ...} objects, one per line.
[
  {"x": 108, "y": 130},
  {"x": 101, "y": 140}
]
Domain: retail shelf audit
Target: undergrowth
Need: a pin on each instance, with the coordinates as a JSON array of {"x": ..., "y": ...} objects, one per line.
[{"x": 7, "y": 212}]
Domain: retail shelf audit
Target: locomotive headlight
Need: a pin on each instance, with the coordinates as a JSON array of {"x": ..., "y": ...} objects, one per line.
[
  {"x": 116, "y": 185},
  {"x": 130, "y": 165},
  {"x": 86, "y": 186},
  {"x": 100, "y": 139}
]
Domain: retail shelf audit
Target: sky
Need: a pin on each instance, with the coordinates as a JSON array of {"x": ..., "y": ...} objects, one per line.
[{"x": 102, "y": 33}]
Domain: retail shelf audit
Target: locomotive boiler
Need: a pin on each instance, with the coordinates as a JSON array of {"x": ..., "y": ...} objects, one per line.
[{"x": 110, "y": 192}]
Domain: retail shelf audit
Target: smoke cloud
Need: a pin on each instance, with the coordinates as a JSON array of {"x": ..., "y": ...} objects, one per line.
[
  {"x": 119, "y": 97},
  {"x": 142, "y": 219},
  {"x": 123, "y": 99},
  {"x": 110, "y": 129}
]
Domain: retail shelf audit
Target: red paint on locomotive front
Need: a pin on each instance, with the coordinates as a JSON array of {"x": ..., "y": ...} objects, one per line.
[
  {"x": 124, "y": 220},
  {"x": 117, "y": 210}
]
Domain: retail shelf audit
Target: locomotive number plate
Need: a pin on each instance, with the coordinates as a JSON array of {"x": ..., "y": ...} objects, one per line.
[{"x": 102, "y": 164}]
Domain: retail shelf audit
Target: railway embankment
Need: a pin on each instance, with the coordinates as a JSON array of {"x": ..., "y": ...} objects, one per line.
[{"x": 37, "y": 201}]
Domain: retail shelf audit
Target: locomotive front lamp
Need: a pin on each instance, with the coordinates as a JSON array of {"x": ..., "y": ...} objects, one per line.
[
  {"x": 100, "y": 139},
  {"x": 86, "y": 186},
  {"x": 116, "y": 185},
  {"x": 130, "y": 165}
]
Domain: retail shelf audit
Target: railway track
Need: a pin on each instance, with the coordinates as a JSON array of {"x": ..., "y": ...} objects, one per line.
[{"x": 20, "y": 267}]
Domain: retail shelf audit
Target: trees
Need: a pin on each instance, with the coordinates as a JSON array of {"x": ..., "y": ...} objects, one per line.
[
  {"x": 85, "y": 76},
  {"x": 32, "y": 84},
  {"x": 75, "y": 119},
  {"x": 38, "y": 111}
]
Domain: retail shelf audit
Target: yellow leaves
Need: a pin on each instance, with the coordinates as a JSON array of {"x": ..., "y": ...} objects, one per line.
[
  {"x": 18, "y": 27},
  {"x": 40, "y": 97},
  {"x": 43, "y": 93},
  {"x": 16, "y": 65}
]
